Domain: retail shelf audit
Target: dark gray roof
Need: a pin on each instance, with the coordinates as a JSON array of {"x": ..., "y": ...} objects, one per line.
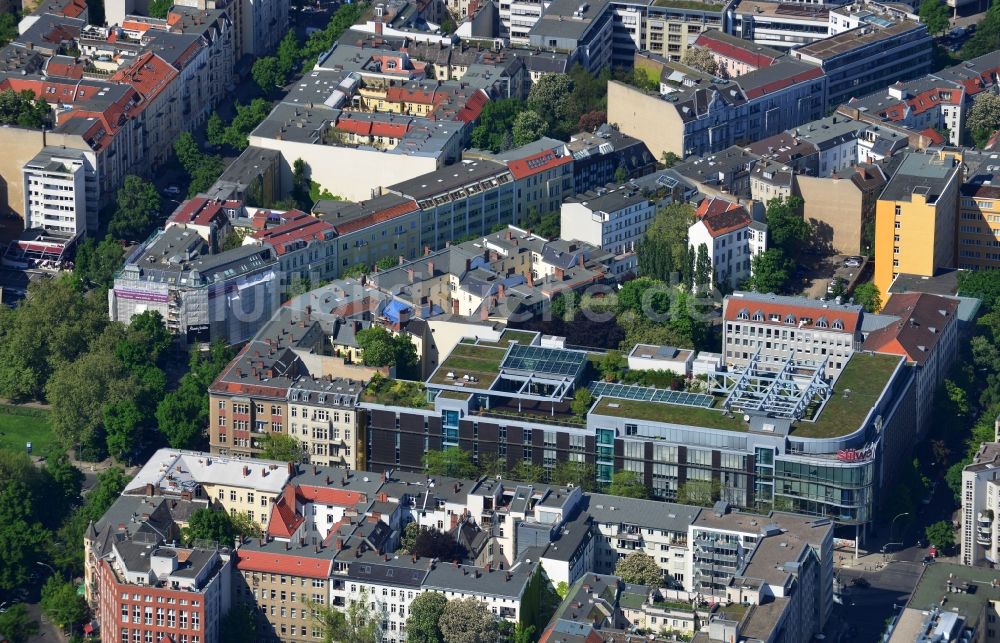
[
  {"x": 920, "y": 173},
  {"x": 606, "y": 509},
  {"x": 449, "y": 178},
  {"x": 476, "y": 580},
  {"x": 570, "y": 538}
]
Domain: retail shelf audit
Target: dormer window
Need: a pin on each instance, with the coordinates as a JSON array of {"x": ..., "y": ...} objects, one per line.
[
  {"x": 838, "y": 325},
  {"x": 743, "y": 314},
  {"x": 758, "y": 316},
  {"x": 789, "y": 319},
  {"x": 822, "y": 323}
]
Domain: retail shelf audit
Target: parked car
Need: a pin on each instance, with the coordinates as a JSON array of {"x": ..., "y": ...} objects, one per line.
[
  {"x": 858, "y": 581},
  {"x": 852, "y": 262},
  {"x": 172, "y": 190}
]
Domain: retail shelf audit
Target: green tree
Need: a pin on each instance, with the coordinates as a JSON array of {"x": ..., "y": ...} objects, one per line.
[
  {"x": 377, "y": 347},
  {"x": 621, "y": 174},
  {"x": 187, "y": 151},
  {"x": 582, "y": 400},
  {"x": 425, "y": 612},
  {"x": 122, "y": 421},
  {"x": 160, "y": 8},
  {"x": 244, "y": 525},
  {"x": 452, "y": 462},
  {"x": 701, "y": 59},
  {"x": 984, "y": 117},
  {"x": 211, "y": 525},
  {"x": 493, "y": 131},
  {"x": 578, "y": 474},
  {"x": 23, "y": 109},
  {"x": 16, "y": 624},
  {"x": 148, "y": 327},
  {"x": 669, "y": 159},
  {"x": 239, "y": 625},
  {"x": 409, "y": 538},
  {"x": 941, "y": 534},
  {"x": 934, "y": 14},
  {"x": 468, "y": 621},
  {"x": 868, "y": 295},
  {"x": 770, "y": 272},
  {"x": 703, "y": 493},
  {"x": 62, "y": 605},
  {"x": 267, "y": 73},
  {"x": 281, "y": 446},
  {"x": 613, "y": 364},
  {"x": 22, "y": 538},
  {"x": 138, "y": 205},
  {"x": 987, "y": 36},
  {"x": 639, "y": 568},
  {"x": 786, "y": 228},
  {"x": 215, "y": 129},
  {"x": 97, "y": 264},
  {"x": 288, "y": 53},
  {"x": 662, "y": 253},
  {"x": 8, "y": 32},
  {"x": 526, "y": 472},
  {"x": 703, "y": 269},
  {"x": 627, "y": 484},
  {"x": 528, "y": 127}
]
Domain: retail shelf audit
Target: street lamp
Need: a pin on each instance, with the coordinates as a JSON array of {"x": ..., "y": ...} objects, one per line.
[
  {"x": 892, "y": 528},
  {"x": 50, "y": 567}
]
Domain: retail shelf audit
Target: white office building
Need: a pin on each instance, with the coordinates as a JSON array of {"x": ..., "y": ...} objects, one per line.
[
  {"x": 615, "y": 220},
  {"x": 981, "y": 508},
  {"x": 56, "y": 191}
]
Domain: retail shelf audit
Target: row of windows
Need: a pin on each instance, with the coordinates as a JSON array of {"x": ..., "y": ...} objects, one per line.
[{"x": 149, "y": 636}]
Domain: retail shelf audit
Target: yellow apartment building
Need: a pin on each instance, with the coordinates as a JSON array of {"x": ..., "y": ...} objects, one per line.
[
  {"x": 915, "y": 218},
  {"x": 979, "y": 225}
]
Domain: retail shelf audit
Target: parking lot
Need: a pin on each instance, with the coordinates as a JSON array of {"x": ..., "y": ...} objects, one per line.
[{"x": 818, "y": 277}]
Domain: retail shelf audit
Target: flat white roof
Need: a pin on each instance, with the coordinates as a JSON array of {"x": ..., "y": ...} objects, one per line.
[{"x": 172, "y": 470}]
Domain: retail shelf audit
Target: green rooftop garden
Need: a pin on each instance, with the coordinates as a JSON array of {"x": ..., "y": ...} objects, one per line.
[
  {"x": 933, "y": 585},
  {"x": 689, "y": 4},
  {"x": 479, "y": 361},
  {"x": 865, "y": 376},
  {"x": 672, "y": 413},
  {"x": 383, "y": 390},
  {"x": 455, "y": 395},
  {"x": 733, "y": 611}
]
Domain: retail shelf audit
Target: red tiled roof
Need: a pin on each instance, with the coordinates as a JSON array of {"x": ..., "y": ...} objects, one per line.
[
  {"x": 922, "y": 320},
  {"x": 74, "y": 8},
  {"x": 751, "y": 307},
  {"x": 781, "y": 83},
  {"x": 284, "y": 519},
  {"x": 721, "y": 216},
  {"x": 57, "y": 69},
  {"x": 297, "y": 227},
  {"x": 473, "y": 107},
  {"x": 149, "y": 75},
  {"x": 934, "y": 135},
  {"x": 136, "y": 25},
  {"x": 529, "y": 165},
  {"x": 289, "y": 564},
  {"x": 201, "y": 211},
  {"x": 729, "y": 50},
  {"x": 329, "y": 496},
  {"x": 377, "y": 217}
]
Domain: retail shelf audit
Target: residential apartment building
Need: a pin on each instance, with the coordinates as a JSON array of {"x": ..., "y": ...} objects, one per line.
[
  {"x": 148, "y": 591},
  {"x": 614, "y": 220},
  {"x": 201, "y": 295},
  {"x": 323, "y": 416},
  {"x": 980, "y": 537},
  {"x": 979, "y": 222},
  {"x": 731, "y": 239},
  {"x": 695, "y": 114},
  {"x": 303, "y": 244},
  {"x": 669, "y": 29},
  {"x": 926, "y": 334},
  {"x": 332, "y": 538},
  {"x": 915, "y": 218},
  {"x": 865, "y": 59},
  {"x": 60, "y": 192},
  {"x": 773, "y": 328},
  {"x": 598, "y": 156}
]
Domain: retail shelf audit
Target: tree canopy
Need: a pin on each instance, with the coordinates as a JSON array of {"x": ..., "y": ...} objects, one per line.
[
  {"x": 62, "y": 605},
  {"x": 468, "y": 621},
  {"x": 452, "y": 462},
  {"x": 138, "y": 205},
  {"x": 379, "y": 347},
  {"x": 984, "y": 117},
  {"x": 639, "y": 568},
  {"x": 701, "y": 59},
  {"x": 934, "y": 14},
  {"x": 281, "y": 446},
  {"x": 627, "y": 484},
  {"x": 422, "y": 622},
  {"x": 23, "y": 109},
  {"x": 211, "y": 525}
]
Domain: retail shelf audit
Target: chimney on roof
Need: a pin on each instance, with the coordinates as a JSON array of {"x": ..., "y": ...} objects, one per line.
[
  {"x": 427, "y": 250},
  {"x": 560, "y": 274},
  {"x": 291, "y": 469},
  {"x": 430, "y": 268},
  {"x": 409, "y": 274},
  {"x": 328, "y": 481},
  {"x": 454, "y": 306},
  {"x": 484, "y": 311},
  {"x": 246, "y": 471}
]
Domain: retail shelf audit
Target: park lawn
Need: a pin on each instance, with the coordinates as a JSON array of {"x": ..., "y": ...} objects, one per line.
[{"x": 20, "y": 425}]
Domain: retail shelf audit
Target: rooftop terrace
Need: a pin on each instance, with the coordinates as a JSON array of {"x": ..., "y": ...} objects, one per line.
[{"x": 855, "y": 392}]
